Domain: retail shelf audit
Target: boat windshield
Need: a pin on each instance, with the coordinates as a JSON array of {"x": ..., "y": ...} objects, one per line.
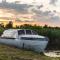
[
  {"x": 34, "y": 32},
  {"x": 20, "y": 32},
  {"x": 30, "y": 32}
]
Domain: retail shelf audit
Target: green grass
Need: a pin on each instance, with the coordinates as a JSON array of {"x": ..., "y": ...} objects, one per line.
[{"x": 11, "y": 53}]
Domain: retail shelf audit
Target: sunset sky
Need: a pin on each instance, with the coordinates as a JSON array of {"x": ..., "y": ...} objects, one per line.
[{"x": 43, "y": 11}]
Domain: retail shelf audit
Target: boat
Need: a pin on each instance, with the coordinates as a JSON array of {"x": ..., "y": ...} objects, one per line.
[{"x": 24, "y": 38}]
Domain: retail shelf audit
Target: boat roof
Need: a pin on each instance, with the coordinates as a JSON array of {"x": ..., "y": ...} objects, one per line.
[{"x": 10, "y": 32}]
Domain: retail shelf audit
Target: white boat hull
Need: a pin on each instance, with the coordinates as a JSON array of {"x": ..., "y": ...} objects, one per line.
[{"x": 38, "y": 46}]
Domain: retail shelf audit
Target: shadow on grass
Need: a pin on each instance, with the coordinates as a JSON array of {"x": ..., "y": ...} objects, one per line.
[{"x": 17, "y": 58}]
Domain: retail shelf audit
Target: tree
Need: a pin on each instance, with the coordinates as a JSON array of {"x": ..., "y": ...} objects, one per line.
[
  {"x": 46, "y": 26},
  {"x": 9, "y": 25},
  {"x": 1, "y": 25}
]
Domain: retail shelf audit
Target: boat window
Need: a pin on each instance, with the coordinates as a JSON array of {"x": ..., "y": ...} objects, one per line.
[
  {"x": 28, "y": 38},
  {"x": 34, "y": 32},
  {"x": 28, "y": 32},
  {"x": 20, "y": 32}
]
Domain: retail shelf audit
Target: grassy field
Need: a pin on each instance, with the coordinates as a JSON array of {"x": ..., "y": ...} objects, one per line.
[{"x": 12, "y": 53}]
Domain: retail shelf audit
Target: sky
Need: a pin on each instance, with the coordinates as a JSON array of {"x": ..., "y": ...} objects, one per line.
[{"x": 45, "y": 11}]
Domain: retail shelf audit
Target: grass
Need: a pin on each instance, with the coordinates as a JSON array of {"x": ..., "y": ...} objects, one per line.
[{"x": 12, "y": 53}]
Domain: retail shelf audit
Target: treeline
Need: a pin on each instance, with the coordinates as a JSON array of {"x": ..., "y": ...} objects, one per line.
[{"x": 53, "y": 33}]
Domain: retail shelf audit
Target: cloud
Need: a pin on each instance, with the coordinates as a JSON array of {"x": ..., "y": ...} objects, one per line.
[
  {"x": 55, "y": 18},
  {"x": 22, "y": 8},
  {"x": 35, "y": 9},
  {"x": 40, "y": 6},
  {"x": 53, "y": 2},
  {"x": 44, "y": 16}
]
